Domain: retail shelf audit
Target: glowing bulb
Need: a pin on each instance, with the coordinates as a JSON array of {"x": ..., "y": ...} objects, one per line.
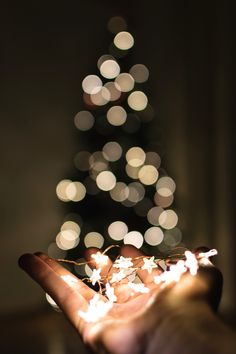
[
  {"x": 106, "y": 180},
  {"x": 120, "y": 192},
  {"x": 148, "y": 174},
  {"x": 117, "y": 230},
  {"x": 75, "y": 191},
  {"x": 61, "y": 190},
  {"x": 116, "y": 115},
  {"x": 101, "y": 97},
  {"x": 137, "y": 100},
  {"x": 91, "y": 84},
  {"x": 109, "y": 69},
  {"x": 125, "y": 82},
  {"x": 114, "y": 90},
  {"x": 94, "y": 239},
  {"x": 112, "y": 151},
  {"x": 135, "y": 156},
  {"x": 124, "y": 40},
  {"x": 134, "y": 238},
  {"x": 154, "y": 236},
  {"x": 153, "y": 215},
  {"x": 165, "y": 186},
  {"x": 168, "y": 219}
]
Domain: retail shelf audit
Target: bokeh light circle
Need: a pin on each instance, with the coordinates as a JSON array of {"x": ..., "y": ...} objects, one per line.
[
  {"x": 84, "y": 120},
  {"x": 137, "y": 100},
  {"x": 168, "y": 219},
  {"x": 116, "y": 115},
  {"x": 91, "y": 84},
  {"x": 148, "y": 174},
  {"x": 154, "y": 236},
  {"x": 106, "y": 180},
  {"x": 109, "y": 69},
  {"x": 134, "y": 238},
  {"x": 93, "y": 239},
  {"x": 139, "y": 72},
  {"x": 125, "y": 82},
  {"x": 117, "y": 230},
  {"x": 124, "y": 40}
]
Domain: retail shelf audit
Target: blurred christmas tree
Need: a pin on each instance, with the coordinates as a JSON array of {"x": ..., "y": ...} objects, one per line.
[{"x": 120, "y": 194}]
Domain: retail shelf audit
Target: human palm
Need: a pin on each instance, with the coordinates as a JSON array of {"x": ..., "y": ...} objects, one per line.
[{"x": 137, "y": 323}]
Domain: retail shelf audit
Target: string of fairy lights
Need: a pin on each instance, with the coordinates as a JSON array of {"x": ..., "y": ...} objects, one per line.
[{"x": 143, "y": 186}]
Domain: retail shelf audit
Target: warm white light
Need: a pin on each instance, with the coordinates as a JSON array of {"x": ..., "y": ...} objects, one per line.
[
  {"x": 136, "y": 192},
  {"x": 100, "y": 259},
  {"x": 168, "y": 219},
  {"x": 117, "y": 230},
  {"x": 131, "y": 171},
  {"x": 154, "y": 236},
  {"x": 71, "y": 225},
  {"x": 148, "y": 174},
  {"x": 153, "y": 215},
  {"x": 137, "y": 100},
  {"x": 112, "y": 151},
  {"x": 75, "y": 191},
  {"x": 106, "y": 180},
  {"x": 140, "y": 73},
  {"x": 135, "y": 156},
  {"x": 165, "y": 186},
  {"x": 114, "y": 90},
  {"x": 84, "y": 120},
  {"x": 103, "y": 58},
  {"x": 91, "y": 84},
  {"x": 61, "y": 190},
  {"x": 125, "y": 82},
  {"x": 116, "y": 115},
  {"x": 101, "y": 97},
  {"x": 134, "y": 238},
  {"x": 66, "y": 243},
  {"x": 120, "y": 192},
  {"x": 124, "y": 40},
  {"x": 94, "y": 239},
  {"x": 110, "y": 69}
]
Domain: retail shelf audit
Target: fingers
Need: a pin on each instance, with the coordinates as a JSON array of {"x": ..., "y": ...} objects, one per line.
[
  {"x": 67, "y": 276},
  {"x": 64, "y": 291}
]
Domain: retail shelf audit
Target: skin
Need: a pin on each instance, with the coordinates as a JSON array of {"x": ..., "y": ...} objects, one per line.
[{"x": 177, "y": 319}]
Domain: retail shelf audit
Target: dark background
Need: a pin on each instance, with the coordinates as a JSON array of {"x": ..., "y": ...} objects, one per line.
[{"x": 47, "y": 48}]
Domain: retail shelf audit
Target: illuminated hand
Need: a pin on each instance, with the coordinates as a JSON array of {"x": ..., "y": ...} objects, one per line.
[{"x": 176, "y": 318}]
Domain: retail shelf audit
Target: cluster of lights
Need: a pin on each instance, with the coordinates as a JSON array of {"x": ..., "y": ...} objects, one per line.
[
  {"x": 125, "y": 271},
  {"x": 124, "y": 106}
]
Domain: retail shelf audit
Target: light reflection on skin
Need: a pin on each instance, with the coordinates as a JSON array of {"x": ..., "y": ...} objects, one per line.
[{"x": 98, "y": 308}]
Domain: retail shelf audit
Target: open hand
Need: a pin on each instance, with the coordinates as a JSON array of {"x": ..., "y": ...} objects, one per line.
[{"x": 155, "y": 322}]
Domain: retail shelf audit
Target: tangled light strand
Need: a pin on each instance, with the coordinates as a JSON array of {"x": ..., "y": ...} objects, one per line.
[{"x": 123, "y": 268}]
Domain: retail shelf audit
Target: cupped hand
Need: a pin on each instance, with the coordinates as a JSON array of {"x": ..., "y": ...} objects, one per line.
[{"x": 149, "y": 323}]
